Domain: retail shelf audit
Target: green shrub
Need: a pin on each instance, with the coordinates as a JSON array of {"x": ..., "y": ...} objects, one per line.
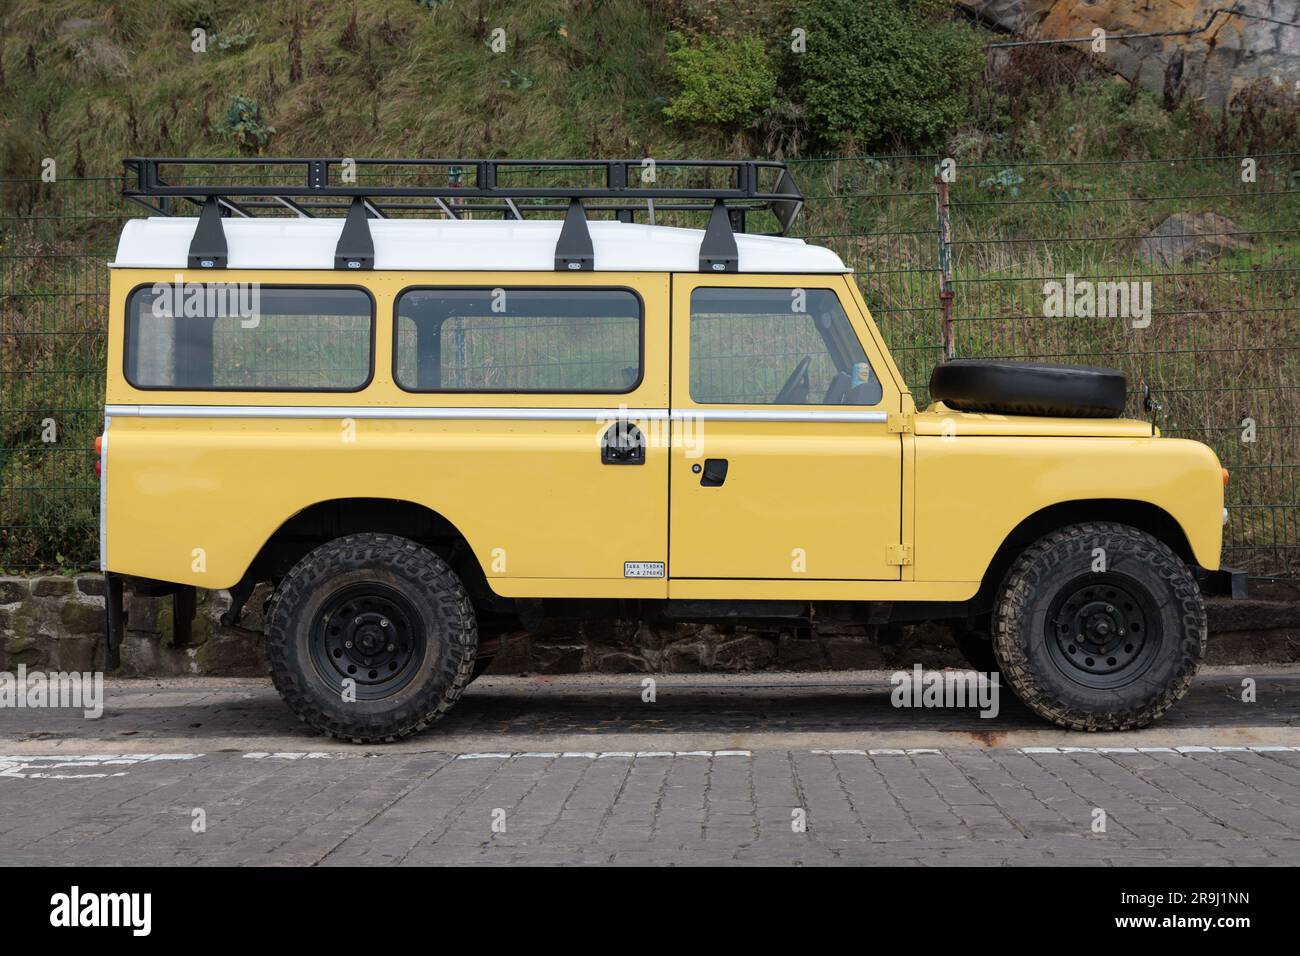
[
  {"x": 884, "y": 71},
  {"x": 724, "y": 80},
  {"x": 225, "y": 42},
  {"x": 245, "y": 126}
]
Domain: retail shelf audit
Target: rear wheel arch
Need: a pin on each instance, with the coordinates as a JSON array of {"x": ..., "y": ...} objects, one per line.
[{"x": 333, "y": 518}]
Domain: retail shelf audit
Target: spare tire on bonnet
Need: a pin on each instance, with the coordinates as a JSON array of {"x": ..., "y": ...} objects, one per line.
[{"x": 1029, "y": 388}]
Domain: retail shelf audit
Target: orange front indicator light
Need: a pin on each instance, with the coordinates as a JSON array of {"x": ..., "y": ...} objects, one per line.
[{"x": 1225, "y": 477}]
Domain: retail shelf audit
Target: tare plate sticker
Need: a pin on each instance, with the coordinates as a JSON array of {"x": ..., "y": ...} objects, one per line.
[{"x": 643, "y": 569}]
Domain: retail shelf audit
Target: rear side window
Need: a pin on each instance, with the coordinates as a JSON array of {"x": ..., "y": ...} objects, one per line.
[
  {"x": 776, "y": 347},
  {"x": 518, "y": 340},
  {"x": 246, "y": 337}
]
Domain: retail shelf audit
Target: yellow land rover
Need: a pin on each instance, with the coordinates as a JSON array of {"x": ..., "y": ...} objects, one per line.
[{"x": 432, "y": 402}]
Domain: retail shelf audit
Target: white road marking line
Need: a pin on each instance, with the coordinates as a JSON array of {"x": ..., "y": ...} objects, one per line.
[
  {"x": 1034, "y": 751},
  {"x": 603, "y": 755},
  {"x": 880, "y": 752},
  {"x": 1189, "y": 749},
  {"x": 484, "y": 756},
  {"x": 291, "y": 755},
  {"x": 46, "y": 767}
]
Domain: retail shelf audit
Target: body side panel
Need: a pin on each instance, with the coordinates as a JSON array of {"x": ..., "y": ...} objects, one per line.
[{"x": 192, "y": 498}]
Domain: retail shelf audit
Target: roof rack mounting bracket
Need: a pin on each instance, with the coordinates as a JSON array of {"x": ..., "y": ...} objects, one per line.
[
  {"x": 208, "y": 248},
  {"x": 356, "y": 248},
  {"x": 718, "y": 251},
  {"x": 573, "y": 250}
]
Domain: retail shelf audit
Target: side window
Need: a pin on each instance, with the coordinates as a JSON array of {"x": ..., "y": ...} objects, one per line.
[
  {"x": 776, "y": 347},
  {"x": 247, "y": 337},
  {"x": 518, "y": 340}
]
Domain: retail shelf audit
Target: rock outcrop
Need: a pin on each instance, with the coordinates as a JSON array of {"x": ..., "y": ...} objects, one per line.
[
  {"x": 1192, "y": 237},
  {"x": 1259, "y": 40}
]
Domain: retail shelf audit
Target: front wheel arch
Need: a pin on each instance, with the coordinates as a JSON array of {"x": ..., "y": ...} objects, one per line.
[{"x": 1142, "y": 515}]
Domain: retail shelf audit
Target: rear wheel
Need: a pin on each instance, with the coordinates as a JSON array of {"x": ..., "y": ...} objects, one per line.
[
  {"x": 371, "y": 637},
  {"x": 1099, "y": 626}
]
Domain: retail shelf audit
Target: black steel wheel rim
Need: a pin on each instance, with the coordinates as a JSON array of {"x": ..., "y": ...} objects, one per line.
[
  {"x": 1103, "y": 630},
  {"x": 371, "y": 634}
]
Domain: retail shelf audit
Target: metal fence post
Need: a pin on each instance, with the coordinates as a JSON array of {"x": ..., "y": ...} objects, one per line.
[{"x": 945, "y": 263}]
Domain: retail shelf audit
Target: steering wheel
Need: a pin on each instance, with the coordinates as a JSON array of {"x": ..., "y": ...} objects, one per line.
[{"x": 793, "y": 384}]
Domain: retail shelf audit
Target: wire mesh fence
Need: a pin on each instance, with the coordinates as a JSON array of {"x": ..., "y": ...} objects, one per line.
[
  {"x": 1183, "y": 273},
  {"x": 1180, "y": 272}
]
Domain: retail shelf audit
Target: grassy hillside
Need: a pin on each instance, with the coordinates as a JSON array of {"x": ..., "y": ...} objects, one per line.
[
  {"x": 89, "y": 83},
  {"x": 1055, "y": 177},
  {"x": 387, "y": 77}
]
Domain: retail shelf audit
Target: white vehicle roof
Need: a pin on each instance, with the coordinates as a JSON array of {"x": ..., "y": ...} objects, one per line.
[{"x": 458, "y": 245}]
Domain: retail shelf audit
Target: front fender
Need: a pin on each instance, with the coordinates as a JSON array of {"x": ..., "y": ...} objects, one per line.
[{"x": 972, "y": 491}]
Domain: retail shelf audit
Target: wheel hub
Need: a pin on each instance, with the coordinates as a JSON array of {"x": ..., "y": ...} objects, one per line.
[
  {"x": 371, "y": 635},
  {"x": 369, "y": 632},
  {"x": 1098, "y": 631}
]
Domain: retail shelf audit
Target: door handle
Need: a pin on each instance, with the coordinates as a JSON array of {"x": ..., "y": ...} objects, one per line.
[
  {"x": 715, "y": 472},
  {"x": 622, "y": 444}
]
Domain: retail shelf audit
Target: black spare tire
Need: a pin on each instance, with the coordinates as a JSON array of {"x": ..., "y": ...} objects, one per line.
[{"x": 1029, "y": 388}]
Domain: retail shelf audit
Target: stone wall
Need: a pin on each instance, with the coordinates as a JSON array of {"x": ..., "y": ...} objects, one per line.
[
  {"x": 1213, "y": 65},
  {"x": 57, "y": 623}
]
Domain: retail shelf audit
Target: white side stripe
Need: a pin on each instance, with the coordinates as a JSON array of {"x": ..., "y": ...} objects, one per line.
[
  {"x": 381, "y": 411},
  {"x": 491, "y": 414}
]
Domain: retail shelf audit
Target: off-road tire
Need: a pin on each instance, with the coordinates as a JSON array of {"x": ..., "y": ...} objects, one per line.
[
  {"x": 976, "y": 650},
  {"x": 438, "y": 607},
  {"x": 1034, "y": 604}
]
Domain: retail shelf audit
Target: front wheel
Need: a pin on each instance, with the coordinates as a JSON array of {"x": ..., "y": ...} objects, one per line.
[
  {"x": 371, "y": 637},
  {"x": 1099, "y": 626}
]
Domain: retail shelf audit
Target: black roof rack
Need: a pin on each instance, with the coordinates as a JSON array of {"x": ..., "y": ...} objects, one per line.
[{"x": 731, "y": 190}]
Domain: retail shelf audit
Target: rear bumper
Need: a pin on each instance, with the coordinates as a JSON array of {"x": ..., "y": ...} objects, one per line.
[{"x": 184, "y": 599}]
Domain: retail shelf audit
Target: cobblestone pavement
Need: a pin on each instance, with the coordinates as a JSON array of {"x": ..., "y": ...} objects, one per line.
[{"x": 766, "y": 769}]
